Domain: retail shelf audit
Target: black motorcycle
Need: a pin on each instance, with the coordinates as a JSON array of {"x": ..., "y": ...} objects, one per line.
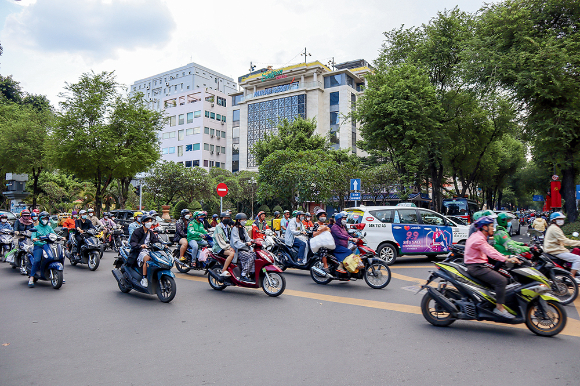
[
  {"x": 89, "y": 253},
  {"x": 287, "y": 257},
  {"x": 23, "y": 253}
]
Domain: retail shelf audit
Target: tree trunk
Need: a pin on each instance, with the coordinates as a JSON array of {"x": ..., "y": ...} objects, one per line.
[
  {"x": 499, "y": 198},
  {"x": 124, "y": 183},
  {"x": 569, "y": 190},
  {"x": 35, "y": 188}
]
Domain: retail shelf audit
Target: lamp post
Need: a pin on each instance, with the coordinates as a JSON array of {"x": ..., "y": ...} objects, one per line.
[{"x": 252, "y": 181}]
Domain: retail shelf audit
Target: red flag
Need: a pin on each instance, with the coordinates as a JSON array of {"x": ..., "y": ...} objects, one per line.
[
  {"x": 547, "y": 205},
  {"x": 555, "y": 193}
]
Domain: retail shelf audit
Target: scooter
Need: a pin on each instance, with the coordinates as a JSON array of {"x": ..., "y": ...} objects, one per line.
[
  {"x": 52, "y": 262},
  {"x": 24, "y": 252},
  {"x": 90, "y": 252},
  {"x": 5, "y": 243},
  {"x": 192, "y": 263},
  {"x": 287, "y": 257},
  {"x": 161, "y": 280},
  {"x": 267, "y": 275}
]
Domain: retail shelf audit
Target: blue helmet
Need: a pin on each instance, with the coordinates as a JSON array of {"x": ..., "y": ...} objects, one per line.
[
  {"x": 482, "y": 221},
  {"x": 557, "y": 216},
  {"x": 338, "y": 216}
]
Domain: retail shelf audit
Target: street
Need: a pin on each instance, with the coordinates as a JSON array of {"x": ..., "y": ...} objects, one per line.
[{"x": 89, "y": 333}]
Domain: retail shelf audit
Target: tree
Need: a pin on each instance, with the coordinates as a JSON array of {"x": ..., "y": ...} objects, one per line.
[
  {"x": 101, "y": 135},
  {"x": 10, "y": 90},
  {"x": 165, "y": 182}
]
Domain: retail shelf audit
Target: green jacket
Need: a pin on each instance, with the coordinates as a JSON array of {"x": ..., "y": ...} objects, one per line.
[
  {"x": 504, "y": 244},
  {"x": 195, "y": 231},
  {"x": 41, "y": 230}
]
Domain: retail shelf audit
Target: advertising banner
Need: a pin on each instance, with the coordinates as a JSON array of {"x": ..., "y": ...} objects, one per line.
[
  {"x": 555, "y": 194},
  {"x": 423, "y": 238}
]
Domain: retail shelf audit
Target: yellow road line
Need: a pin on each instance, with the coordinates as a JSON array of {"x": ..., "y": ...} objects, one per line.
[
  {"x": 572, "y": 326},
  {"x": 411, "y": 266}
]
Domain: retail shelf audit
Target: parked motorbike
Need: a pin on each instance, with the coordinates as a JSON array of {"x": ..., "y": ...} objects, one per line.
[
  {"x": 89, "y": 253},
  {"x": 462, "y": 296},
  {"x": 6, "y": 236},
  {"x": 267, "y": 274},
  {"x": 23, "y": 253},
  {"x": 51, "y": 264},
  {"x": 161, "y": 280},
  {"x": 375, "y": 271}
]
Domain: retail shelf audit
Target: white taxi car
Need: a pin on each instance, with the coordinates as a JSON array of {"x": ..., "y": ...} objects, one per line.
[{"x": 395, "y": 231}]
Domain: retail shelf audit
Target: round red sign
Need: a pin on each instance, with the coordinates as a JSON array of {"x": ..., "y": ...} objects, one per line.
[{"x": 222, "y": 190}]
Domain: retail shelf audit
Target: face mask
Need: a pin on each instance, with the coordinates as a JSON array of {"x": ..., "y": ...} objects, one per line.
[
  {"x": 4, "y": 220},
  {"x": 322, "y": 219},
  {"x": 560, "y": 222},
  {"x": 84, "y": 217},
  {"x": 106, "y": 218},
  {"x": 74, "y": 217},
  {"x": 138, "y": 219},
  {"x": 200, "y": 219},
  {"x": 44, "y": 222},
  {"x": 148, "y": 225},
  {"x": 34, "y": 218},
  {"x": 343, "y": 222},
  {"x": 187, "y": 216},
  {"x": 227, "y": 221}
]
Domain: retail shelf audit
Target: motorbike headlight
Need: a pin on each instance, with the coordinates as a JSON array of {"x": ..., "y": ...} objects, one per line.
[{"x": 52, "y": 237}]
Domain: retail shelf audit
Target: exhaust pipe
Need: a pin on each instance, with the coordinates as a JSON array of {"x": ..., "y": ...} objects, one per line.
[
  {"x": 319, "y": 272},
  {"x": 443, "y": 301},
  {"x": 215, "y": 275},
  {"x": 118, "y": 275}
]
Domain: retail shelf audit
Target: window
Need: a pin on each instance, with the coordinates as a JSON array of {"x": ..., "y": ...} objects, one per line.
[
  {"x": 188, "y": 147},
  {"x": 236, "y": 116},
  {"x": 171, "y": 150},
  {"x": 179, "y": 151},
  {"x": 223, "y": 118},
  {"x": 236, "y": 132},
  {"x": 212, "y": 132},
  {"x": 350, "y": 81},
  {"x": 195, "y": 163},
  {"x": 207, "y": 114},
  {"x": 181, "y": 135},
  {"x": 217, "y": 164},
  {"x": 196, "y": 146},
  {"x": 384, "y": 216},
  {"x": 430, "y": 218},
  {"x": 223, "y": 149},
  {"x": 334, "y": 98},
  {"x": 205, "y": 163},
  {"x": 187, "y": 164},
  {"x": 212, "y": 115},
  {"x": 223, "y": 134},
  {"x": 236, "y": 99},
  {"x": 334, "y": 80},
  {"x": 169, "y": 135},
  {"x": 181, "y": 119},
  {"x": 172, "y": 121},
  {"x": 189, "y": 117},
  {"x": 218, "y": 117},
  {"x": 221, "y": 101},
  {"x": 206, "y": 130},
  {"x": 197, "y": 114},
  {"x": 408, "y": 216},
  {"x": 211, "y": 164},
  {"x": 164, "y": 150},
  {"x": 206, "y": 146},
  {"x": 334, "y": 118}
]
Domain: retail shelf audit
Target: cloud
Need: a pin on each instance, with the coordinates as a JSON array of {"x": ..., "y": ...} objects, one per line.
[{"x": 93, "y": 28}]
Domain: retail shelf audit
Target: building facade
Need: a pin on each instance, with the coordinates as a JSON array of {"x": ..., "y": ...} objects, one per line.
[{"x": 309, "y": 90}]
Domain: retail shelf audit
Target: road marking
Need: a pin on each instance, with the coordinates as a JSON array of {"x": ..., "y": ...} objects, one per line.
[
  {"x": 411, "y": 266},
  {"x": 572, "y": 326}
]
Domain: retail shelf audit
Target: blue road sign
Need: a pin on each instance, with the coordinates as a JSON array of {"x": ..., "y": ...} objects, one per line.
[
  {"x": 355, "y": 196},
  {"x": 578, "y": 192},
  {"x": 355, "y": 184},
  {"x": 538, "y": 197}
]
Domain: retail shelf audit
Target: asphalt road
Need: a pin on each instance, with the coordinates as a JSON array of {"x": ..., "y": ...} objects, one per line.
[{"x": 89, "y": 333}]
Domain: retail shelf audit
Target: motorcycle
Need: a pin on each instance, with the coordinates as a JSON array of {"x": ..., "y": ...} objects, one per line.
[
  {"x": 267, "y": 274},
  {"x": 52, "y": 262},
  {"x": 161, "y": 280},
  {"x": 90, "y": 252},
  {"x": 287, "y": 257},
  {"x": 191, "y": 263},
  {"x": 458, "y": 295},
  {"x": 115, "y": 238},
  {"x": 375, "y": 271},
  {"x": 5, "y": 243},
  {"x": 20, "y": 258}
]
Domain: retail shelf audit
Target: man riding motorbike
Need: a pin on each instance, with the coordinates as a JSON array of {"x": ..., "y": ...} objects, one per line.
[
  {"x": 82, "y": 225},
  {"x": 221, "y": 241},
  {"x": 259, "y": 226},
  {"x": 107, "y": 223},
  {"x": 94, "y": 219},
  {"x": 214, "y": 221},
  {"x": 284, "y": 222},
  {"x": 135, "y": 224},
  {"x": 296, "y": 228},
  {"x": 477, "y": 251},
  {"x": 196, "y": 235},
  {"x": 180, "y": 237},
  {"x": 69, "y": 224},
  {"x": 540, "y": 224},
  {"x": 555, "y": 243},
  {"x": 42, "y": 229},
  {"x": 502, "y": 240},
  {"x": 4, "y": 224},
  {"x": 242, "y": 244},
  {"x": 308, "y": 221},
  {"x": 276, "y": 223},
  {"x": 140, "y": 240},
  {"x": 477, "y": 215}
]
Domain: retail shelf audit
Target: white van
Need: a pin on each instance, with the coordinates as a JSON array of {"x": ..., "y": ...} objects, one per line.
[{"x": 395, "y": 231}]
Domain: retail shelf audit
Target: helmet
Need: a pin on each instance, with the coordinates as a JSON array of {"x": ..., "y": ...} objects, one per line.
[
  {"x": 25, "y": 212},
  {"x": 286, "y": 211},
  {"x": 299, "y": 213},
  {"x": 532, "y": 215},
  {"x": 241, "y": 216},
  {"x": 43, "y": 214},
  {"x": 295, "y": 213},
  {"x": 3, "y": 215},
  {"x": 136, "y": 214},
  {"x": 319, "y": 212},
  {"x": 503, "y": 218},
  {"x": 83, "y": 212},
  {"x": 146, "y": 218},
  {"x": 36, "y": 210},
  {"x": 557, "y": 216},
  {"x": 225, "y": 214},
  {"x": 91, "y": 210},
  {"x": 308, "y": 214},
  {"x": 276, "y": 213},
  {"x": 74, "y": 212},
  {"x": 339, "y": 216},
  {"x": 260, "y": 213},
  {"x": 184, "y": 212},
  {"x": 214, "y": 216},
  {"x": 485, "y": 220}
]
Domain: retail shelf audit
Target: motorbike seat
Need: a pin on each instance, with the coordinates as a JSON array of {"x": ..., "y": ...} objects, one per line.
[{"x": 463, "y": 270}]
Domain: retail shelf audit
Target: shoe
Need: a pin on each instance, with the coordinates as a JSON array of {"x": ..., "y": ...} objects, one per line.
[
  {"x": 144, "y": 282},
  {"x": 31, "y": 283},
  {"x": 577, "y": 280},
  {"x": 340, "y": 268},
  {"x": 246, "y": 279},
  {"x": 225, "y": 274},
  {"x": 503, "y": 313},
  {"x": 326, "y": 270},
  {"x": 182, "y": 258}
]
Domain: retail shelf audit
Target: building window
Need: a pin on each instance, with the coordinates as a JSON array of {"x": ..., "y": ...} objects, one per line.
[
  {"x": 172, "y": 121},
  {"x": 218, "y": 117},
  {"x": 169, "y": 135},
  {"x": 188, "y": 147},
  {"x": 189, "y": 117},
  {"x": 164, "y": 150},
  {"x": 205, "y": 163},
  {"x": 217, "y": 164},
  {"x": 223, "y": 149},
  {"x": 212, "y": 132},
  {"x": 179, "y": 151},
  {"x": 206, "y": 146},
  {"x": 223, "y": 134},
  {"x": 196, "y": 146},
  {"x": 181, "y": 119},
  {"x": 236, "y": 116},
  {"x": 334, "y": 80},
  {"x": 221, "y": 101},
  {"x": 171, "y": 150},
  {"x": 195, "y": 163},
  {"x": 236, "y": 99},
  {"x": 197, "y": 114},
  {"x": 334, "y": 98},
  {"x": 187, "y": 164},
  {"x": 207, "y": 114},
  {"x": 181, "y": 135},
  {"x": 350, "y": 81},
  {"x": 223, "y": 118},
  {"x": 206, "y": 130},
  {"x": 212, "y": 147},
  {"x": 212, "y": 115},
  {"x": 334, "y": 118}
]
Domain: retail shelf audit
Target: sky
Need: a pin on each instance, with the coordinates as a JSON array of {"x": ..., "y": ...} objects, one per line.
[{"x": 48, "y": 43}]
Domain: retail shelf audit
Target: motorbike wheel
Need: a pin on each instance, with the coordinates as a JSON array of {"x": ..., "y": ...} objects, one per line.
[
  {"x": 213, "y": 283},
  {"x": 317, "y": 279},
  {"x": 434, "y": 313},
  {"x": 73, "y": 262},
  {"x": 279, "y": 260},
  {"x": 179, "y": 265},
  {"x": 382, "y": 276},
  {"x": 94, "y": 260},
  {"x": 166, "y": 289},
  {"x": 565, "y": 288},
  {"x": 276, "y": 287},
  {"x": 123, "y": 288},
  {"x": 56, "y": 278},
  {"x": 550, "y": 326}
]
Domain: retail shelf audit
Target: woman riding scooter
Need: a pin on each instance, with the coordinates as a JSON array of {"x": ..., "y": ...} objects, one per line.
[
  {"x": 341, "y": 239},
  {"x": 42, "y": 229},
  {"x": 242, "y": 245}
]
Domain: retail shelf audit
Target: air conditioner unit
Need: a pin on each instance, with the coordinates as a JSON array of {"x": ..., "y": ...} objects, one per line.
[
  {"x": 166, "y": 83},
  {"x": 211, "y": 135},
  {"x": 211, "y": 152},
  {"x": 148, "y": 87},
  {"x": 218, "y": 153},
  {"x": 212, "y": 105},
  {"x": 223, "y": 122}
]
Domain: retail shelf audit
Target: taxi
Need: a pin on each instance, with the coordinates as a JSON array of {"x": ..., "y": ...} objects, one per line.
[{"x": 397, "y": 231}]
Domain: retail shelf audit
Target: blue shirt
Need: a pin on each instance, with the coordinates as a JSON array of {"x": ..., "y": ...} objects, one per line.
[
  {"x": 134, "y": 225},
  {"x": 5, "y": 225}
]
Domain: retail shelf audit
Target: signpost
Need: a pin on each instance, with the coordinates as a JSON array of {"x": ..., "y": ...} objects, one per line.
[
  {"x": 355, "y": 187},
  {"x": 222, "y": 190},
  {"x": 355, "y": 196},
  {"x": 538, "y": 197}
]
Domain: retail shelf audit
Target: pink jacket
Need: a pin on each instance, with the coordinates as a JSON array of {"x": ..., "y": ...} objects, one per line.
[{"x": 477, "y": 250}]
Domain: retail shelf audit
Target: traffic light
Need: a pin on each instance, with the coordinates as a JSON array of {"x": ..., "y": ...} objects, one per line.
[{"x": 137, "y": 190}]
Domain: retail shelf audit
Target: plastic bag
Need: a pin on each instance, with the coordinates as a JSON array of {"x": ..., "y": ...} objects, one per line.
[
  {"x": 323, "y": 240},
  {"x": 203, "y": 254},
  {"x": 352, "y": 263},
  {"x": 10, "y": 255}
]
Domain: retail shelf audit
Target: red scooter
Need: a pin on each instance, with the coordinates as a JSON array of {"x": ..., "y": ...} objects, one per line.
[{"x": 267, "y": 275}]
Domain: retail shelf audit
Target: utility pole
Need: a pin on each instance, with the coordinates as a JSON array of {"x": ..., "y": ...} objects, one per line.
[
  {"x": 331, "y": 63},
  {"x": 306, "y": 54},
  {"x": 140, "y": 196},
  {"x": 252, "y": 67}
]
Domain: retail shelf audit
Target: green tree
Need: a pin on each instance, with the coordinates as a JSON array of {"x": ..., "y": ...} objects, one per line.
[
  {"x": 10, "y": 90},
  {"x": 165, "y": 182},
  {"x": 101, "y": 134}
]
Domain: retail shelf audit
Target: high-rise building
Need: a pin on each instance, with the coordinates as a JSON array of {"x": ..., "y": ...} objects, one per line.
[{"x": 309, "y": 90}]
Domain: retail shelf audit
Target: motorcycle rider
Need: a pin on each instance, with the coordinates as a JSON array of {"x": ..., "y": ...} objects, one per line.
[
  {"x": 196, "y": 235},
  {"x": 259, "y": 226},
  {"x": 308, "y": 224},
  {"x": 276, "y": 223},
  {"x": 477, "y": 251},
  {"x": 477, "y": 215},
  {"x": 242, "y": 244},
  {"x": 502, "y": 240},
  {"x": 4, "y": 224},
  {"x": 284, "y": 222},
  {"x": 24, "y": 223},
  {"x": 42, "y": 229},
  {"x": 135, "y": 224},
  {"x": 555, "y": 243},
  {"x": 82, "y": 225},
  {"x": 341, "y": 239},
  {"x": 296, "y": 228},
  {"x": 540, "y": 224},
  {"x": 221, "y": 241},
  {"x": 319, "y": 227},
  {"x": 140, "y": 240},
  {"x": 94, "y": 219},
  {"x": 214, "y": 221},
  {"x": 180, "y": 237},
  {"x": 69, "y": 224},
  {"x": 107, "y": 223}
]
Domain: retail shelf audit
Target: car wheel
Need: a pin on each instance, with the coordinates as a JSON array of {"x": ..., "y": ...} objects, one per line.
[{"x": 388, "y": 253}]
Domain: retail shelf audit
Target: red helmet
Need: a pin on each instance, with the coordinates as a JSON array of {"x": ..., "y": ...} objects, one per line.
[
  {"x": 25, "y": 212},
  {"x": 36, "y": 211},
  {"x": 532, "y": 215}
]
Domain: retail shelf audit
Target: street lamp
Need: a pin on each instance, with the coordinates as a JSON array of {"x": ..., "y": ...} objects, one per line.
[{"x": 252, "y": 181}]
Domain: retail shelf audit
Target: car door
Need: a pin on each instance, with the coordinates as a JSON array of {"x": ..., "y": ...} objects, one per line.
[
  {"x": 438, "y": 236},
  {"x": 379, "y": 227},
  {"x": 408, "y": 232}
]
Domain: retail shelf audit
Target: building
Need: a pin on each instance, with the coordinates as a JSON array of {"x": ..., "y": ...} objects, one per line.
[
  {"x": 310, "y": 90},
  {"x": 195, "y": 101}
]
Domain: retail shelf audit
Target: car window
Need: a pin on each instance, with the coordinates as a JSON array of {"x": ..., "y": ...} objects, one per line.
[
  {"x": 408, "y": 216},
  {"x": 430, "y": 218},
  {"x": 354, "y": 217},
  {"x": 385, "y": 216}
]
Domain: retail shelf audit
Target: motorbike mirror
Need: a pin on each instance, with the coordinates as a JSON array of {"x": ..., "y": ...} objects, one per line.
[{"x": 32, "y": 230}]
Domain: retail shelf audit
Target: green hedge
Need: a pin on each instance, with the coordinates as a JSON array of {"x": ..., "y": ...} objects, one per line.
[{"x": 568, "y": 229}]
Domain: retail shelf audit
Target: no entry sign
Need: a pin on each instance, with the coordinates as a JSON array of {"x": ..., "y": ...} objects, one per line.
[{"x": 222, "y": 190}]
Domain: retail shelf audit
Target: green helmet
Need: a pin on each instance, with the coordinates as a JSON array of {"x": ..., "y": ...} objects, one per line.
[
  {"x": 196, "y": 213},
  {"x": 295, "y": 213},
  {"x": 481, "y": 213},
  {"x": 503, "y": 219}
]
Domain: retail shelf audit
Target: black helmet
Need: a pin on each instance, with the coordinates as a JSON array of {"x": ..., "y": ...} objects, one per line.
[
  {"x": 224, "y": 214},
  {"x": 43, "y": 214},
  {"x": 241, "y": 216},
  {"x": 184, "y": 212},
  {"x": 145, "y": 218},
  {"x": 276, "y": 213},
  {"x": 299, "y": 213}
]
